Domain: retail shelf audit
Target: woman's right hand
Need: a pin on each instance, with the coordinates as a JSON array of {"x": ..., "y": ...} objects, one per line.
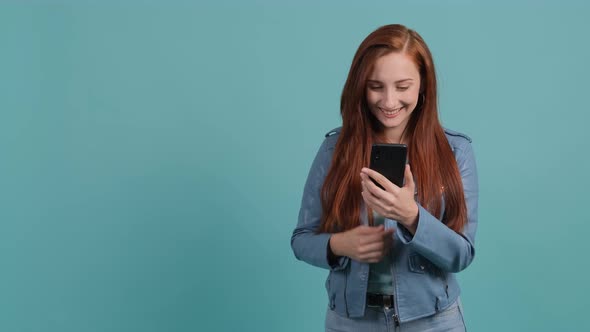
[{"x": 365, "y": 244}]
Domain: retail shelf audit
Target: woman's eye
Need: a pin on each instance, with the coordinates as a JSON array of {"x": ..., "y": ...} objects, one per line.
[
  {"x": 402, "y": 88},
  {"x": 375, "y": 87}
]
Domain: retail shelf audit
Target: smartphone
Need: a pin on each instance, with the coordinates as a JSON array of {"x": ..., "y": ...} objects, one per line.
[{"x": 390, "y": 161}]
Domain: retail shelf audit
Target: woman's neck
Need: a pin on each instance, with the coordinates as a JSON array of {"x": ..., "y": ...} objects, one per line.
[{"x": 395, "y": 136}]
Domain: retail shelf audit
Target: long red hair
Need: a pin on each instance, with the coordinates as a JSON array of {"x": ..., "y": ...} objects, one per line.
[{"x": 430, "y": 155}]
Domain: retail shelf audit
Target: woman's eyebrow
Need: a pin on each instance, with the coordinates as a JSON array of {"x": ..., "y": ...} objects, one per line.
[{"x": 398, "y": 81}]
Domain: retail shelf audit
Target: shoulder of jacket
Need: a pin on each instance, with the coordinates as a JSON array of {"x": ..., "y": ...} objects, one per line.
[
  {"x": 333, "y": 132},
  {"x": 455, "y": 135}
]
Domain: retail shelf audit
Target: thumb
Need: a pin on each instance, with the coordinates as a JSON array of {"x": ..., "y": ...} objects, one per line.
[
  {"x": 409, "y": 178},
  {"x": 388, "y": 232},
  {"x": 364, "y": 229}
]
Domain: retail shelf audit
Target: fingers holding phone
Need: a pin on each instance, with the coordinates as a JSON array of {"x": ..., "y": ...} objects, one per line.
[{"x": 393, "y": 202}]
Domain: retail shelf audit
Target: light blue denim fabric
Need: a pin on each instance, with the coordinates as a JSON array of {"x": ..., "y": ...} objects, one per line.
[
  {"x": 381, "y": 320},
  {"x": 423, "y": 264}
]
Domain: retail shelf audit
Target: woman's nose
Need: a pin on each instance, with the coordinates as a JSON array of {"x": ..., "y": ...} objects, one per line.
[{"x": 390, "y": 99}]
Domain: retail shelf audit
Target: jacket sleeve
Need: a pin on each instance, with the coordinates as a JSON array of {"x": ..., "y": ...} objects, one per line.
[
  {"x": 438, "y": 243},
  {"x": 307, "y": 245}
]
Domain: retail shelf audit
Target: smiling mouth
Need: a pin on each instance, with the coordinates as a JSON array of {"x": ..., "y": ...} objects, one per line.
[{"x": 391, "y": 113}]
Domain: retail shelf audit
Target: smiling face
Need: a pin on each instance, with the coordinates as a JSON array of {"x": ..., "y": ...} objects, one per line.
[{"x": 392, "y": 92}]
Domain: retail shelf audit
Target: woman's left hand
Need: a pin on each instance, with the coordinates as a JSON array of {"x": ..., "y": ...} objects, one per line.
[{"x": 394, "y": 202}]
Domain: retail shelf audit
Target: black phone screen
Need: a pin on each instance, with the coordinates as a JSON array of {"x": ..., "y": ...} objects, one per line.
[{"x": 390, "y": 161}]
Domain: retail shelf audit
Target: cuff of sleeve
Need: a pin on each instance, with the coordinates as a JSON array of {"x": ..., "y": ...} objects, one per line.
[
  {"x": 336, "y": 263},
  {"x": 404, "y": 234}
]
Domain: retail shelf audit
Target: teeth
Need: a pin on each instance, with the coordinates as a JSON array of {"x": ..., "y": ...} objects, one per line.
[{"x": 392, "y": 112}]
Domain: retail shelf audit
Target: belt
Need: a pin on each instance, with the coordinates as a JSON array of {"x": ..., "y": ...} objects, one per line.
[{"x": 379, "y": 300}]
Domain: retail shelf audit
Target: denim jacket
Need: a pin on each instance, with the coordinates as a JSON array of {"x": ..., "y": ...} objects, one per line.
[{"x": 423, "y": 264}]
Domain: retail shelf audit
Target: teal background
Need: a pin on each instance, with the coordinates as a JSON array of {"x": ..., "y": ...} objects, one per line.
[{"x": 153, "y": 156}]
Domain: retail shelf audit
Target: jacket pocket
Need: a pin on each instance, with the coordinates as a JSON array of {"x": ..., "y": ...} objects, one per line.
[{"x": 418, "y": 264}]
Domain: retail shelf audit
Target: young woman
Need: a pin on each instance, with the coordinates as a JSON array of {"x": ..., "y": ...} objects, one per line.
[{"x": 391, "y": 253}]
